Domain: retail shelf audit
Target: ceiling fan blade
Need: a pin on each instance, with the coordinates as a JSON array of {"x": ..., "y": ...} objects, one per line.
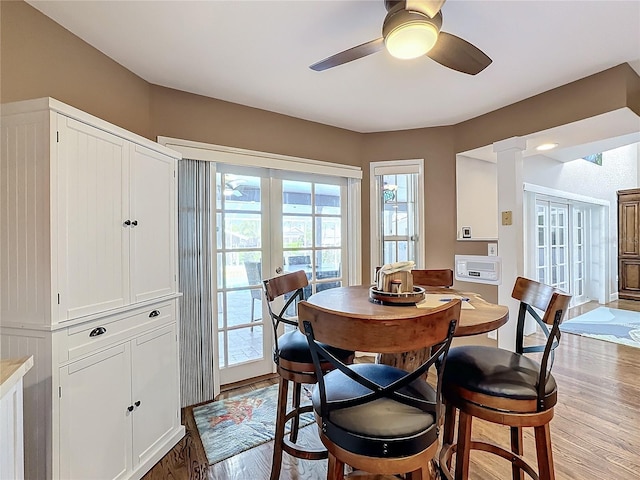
[
  {"x": 349, "y": 55},
  {"x": 428, "y": 7},
  {"x": 458, "y": 54}
]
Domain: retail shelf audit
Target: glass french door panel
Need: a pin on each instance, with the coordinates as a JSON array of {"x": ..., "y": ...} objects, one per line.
[
  {"x": 579, "y": 255},
  {"x": 312, "y": 237},
  {"x": 239, "y": 229},
  {"x": 398, "y": 222}
]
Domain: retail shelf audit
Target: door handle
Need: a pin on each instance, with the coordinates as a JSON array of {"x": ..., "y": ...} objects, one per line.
[{"x": 279, "y": 270}]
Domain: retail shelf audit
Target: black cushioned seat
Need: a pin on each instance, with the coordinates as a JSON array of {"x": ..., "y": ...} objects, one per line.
[
  {"x": 496, "y": 372},
  {"x": 293, "y": 346},
  {"x": 380, "y": 418}
]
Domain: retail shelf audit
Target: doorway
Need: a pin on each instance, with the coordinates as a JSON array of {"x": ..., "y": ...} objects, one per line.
[{"x": 564, "y": 239}]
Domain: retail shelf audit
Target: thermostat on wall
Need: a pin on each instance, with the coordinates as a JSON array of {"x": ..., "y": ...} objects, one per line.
[{"x": 479, "y": 269}]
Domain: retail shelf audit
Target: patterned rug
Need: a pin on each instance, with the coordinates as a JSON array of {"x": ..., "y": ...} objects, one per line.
[
  {"x": 231, "y": 426},
  {"x": 610, "y": 324}
]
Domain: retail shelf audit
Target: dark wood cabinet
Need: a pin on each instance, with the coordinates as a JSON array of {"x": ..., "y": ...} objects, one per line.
[{"x": 629, "y": 244}]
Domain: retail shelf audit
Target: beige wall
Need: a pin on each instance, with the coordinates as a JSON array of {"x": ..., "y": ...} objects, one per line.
[
  {"x": 183, "y": 115},
  {"x": 39, "y": 58}
]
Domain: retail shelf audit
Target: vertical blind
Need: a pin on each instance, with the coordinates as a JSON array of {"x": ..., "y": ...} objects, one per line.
[{"x": 194, "y": 251}]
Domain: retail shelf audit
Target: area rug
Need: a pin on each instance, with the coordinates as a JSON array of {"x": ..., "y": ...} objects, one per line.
[
  {"x": 231, "y": 426},
  {"x": 610, "y": 324}
]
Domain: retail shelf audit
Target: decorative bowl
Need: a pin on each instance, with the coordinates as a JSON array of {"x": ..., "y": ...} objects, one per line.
[{"x": 401, "y": 298}]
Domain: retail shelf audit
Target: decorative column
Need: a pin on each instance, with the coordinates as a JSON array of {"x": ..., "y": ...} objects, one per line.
[{"x": 510, "y": 230}]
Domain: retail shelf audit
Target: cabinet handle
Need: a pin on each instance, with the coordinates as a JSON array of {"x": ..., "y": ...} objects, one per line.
[
  {"x": 97, "y": 331},
  {"x": 127, "y": 223},
  {"x": 137, "y": 404},
  {"x": 134, "y": 223},
  {"x": 155, "y": 313},
  {"x": 130, "y": 408}
]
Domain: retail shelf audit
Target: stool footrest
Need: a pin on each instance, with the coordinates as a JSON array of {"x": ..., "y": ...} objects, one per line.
[
  {"x": 296, "y": 450},
  {"x": 304, "y": 453},
  {"x": 447, "y": 451}
]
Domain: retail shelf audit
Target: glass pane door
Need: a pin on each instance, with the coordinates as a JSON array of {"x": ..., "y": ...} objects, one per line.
[
  {"x": 244, "y": 335},
  {"x": 579, "y": 255},
  {"x": 267, "y": 224},
  {"x": 553, "y": 240},
  {"x": 398, "y": 217}
]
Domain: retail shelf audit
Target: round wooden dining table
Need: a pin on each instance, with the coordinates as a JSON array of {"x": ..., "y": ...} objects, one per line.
[{"x": 482, "y": 318}]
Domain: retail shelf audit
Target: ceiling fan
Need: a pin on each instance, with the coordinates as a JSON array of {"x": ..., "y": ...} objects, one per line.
[{"x": 412, "y": 29}]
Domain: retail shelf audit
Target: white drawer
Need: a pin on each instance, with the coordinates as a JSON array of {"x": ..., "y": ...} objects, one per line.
[{"x": 87, "y": 338}]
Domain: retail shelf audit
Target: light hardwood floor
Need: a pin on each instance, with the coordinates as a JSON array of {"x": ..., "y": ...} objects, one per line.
[{"x": 595, "y": 431}]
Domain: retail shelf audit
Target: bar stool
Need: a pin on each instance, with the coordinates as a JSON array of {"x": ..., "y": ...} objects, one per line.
[
  {"x": 294, "y": 364},
  {"x": 378, "y": 418},
  {"x": 506, "y": 388}
]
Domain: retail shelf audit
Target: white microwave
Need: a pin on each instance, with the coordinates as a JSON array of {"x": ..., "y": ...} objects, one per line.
[{"x": 479, "y": 269}]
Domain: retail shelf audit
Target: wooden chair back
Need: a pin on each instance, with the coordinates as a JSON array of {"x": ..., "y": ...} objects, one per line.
[
  {"x": 353, "y": 332},
  {"x": 554, "y": 304},
  {"x": 290, "y": 283},
  {"x": 433, "y": 278}
]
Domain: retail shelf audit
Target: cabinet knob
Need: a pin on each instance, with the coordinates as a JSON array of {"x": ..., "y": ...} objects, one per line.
[
  {"x": 127, "y": 223},
  {"x": 130, "y": 408},
  {"x": 134, "y": 223},
  {"x": 155, "y": 313},
  {"x": 97, "y": 331},
  {"x": 137, "y": 404}
]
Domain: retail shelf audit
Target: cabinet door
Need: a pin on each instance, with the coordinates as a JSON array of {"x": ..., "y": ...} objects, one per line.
[
  {"x": 155, "y": 390},
  {"x": 629, "y": 277},
  {"x": 153, "y": 208},
  {"x": 95, "y": 423},
  {"x": 92, "y": 242},
  {"x": 629, "y": 216}
]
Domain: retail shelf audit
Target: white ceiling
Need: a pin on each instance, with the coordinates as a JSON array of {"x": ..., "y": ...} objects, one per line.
[{"x": 257, "y": 53}]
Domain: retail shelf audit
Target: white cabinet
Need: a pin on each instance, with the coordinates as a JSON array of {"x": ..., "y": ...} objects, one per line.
[
  {"x": 88, "y": 286},
  {"x": 96, "y": 392},
  {"x": 127, "y": 394},
  {"x": 156, "y": 405},
  {"x": 92, "y": 203},
  {"x": 89, "y": 222},
  {"x": 152, "y": 236},
  {"x": 122, "y": 205}
]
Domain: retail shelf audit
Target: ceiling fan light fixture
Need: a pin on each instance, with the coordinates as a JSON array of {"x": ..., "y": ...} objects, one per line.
[{"x": 411, "y": 39}]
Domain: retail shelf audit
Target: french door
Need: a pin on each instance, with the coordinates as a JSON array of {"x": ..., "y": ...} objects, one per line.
[
  {"x": 561, "y": 247},
  {"x": 267, "y": 223}
]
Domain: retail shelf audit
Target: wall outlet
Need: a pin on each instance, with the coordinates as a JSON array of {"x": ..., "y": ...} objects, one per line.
[
  {"x": 492, "y": 249},
  {"x": 507, "y": 218}
]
